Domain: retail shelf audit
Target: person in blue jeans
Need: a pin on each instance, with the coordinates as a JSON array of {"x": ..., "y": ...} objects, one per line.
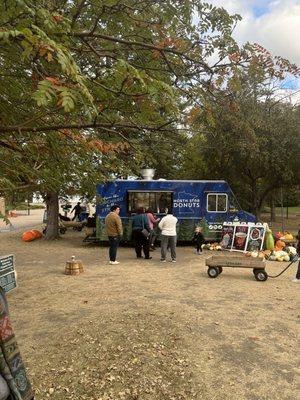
[
  {"x": 297, "y": 277},
  {"x": 168, "y": 236},
  {"x": 114, "y": 230},
  {"x": 140, "y": 226}
]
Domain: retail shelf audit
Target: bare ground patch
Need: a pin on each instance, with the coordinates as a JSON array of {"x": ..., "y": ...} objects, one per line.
[{"x": 146, "y": 330}]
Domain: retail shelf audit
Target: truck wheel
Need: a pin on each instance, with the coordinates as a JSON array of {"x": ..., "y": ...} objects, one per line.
[
  {"x": 260, "y": 275},
  {"x": 213, "y": 272},
  {"x": 62, "y": 230}
]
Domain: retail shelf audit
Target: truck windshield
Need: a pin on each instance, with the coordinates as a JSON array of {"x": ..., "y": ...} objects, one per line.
[{"x": 158, "y": 202}]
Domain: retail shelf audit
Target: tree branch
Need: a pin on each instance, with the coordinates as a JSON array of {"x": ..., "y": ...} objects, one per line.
[
  {"x": 141, "y": 44},
  {"x": 77, "y": 12},
  {"x": 7, "y": 129}
]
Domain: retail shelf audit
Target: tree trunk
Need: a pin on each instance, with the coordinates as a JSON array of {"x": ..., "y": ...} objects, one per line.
[
  {"x": 257, "y": 212},
  {"x": 273, "y": 210},
  {"x": 255, "y": 209},
  {"x": 51, "y": 199}
]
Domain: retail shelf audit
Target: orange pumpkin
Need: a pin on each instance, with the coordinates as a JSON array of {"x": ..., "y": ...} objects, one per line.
[
  {"x": 38, "y": 234},
  {"x": 279, "y": 245},
  {"x": 29, "y": 236}
]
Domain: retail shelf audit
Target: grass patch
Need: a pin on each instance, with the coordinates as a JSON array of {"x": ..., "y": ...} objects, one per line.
[{"x": 24, "y": 206}]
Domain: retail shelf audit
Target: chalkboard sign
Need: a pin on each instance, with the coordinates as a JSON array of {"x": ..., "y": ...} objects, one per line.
[{"x": 8, "y": 279}]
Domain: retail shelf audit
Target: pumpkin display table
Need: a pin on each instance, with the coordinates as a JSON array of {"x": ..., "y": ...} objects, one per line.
[{"x": 217, "y": 263}]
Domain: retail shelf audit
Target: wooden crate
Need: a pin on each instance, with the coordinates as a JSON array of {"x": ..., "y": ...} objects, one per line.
[{"x": 235, "y": 261}]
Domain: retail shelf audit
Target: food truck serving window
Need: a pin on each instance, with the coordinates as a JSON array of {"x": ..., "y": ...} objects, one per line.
[
  {"x": 217, "y": 202},
  {"x": 158, "y": 202}
]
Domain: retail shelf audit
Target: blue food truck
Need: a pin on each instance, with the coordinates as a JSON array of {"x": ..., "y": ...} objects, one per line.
[{"x": 206, "y": 203}]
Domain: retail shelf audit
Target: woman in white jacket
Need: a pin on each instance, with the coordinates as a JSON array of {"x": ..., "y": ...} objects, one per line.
[{"x": 168, "y": 236}]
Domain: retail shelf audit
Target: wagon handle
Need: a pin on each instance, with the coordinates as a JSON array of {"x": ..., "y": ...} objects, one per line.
[{"x": 294, "y": 259}]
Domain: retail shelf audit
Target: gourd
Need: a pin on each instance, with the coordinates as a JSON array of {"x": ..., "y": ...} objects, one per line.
[
  {"x": 291, "y": 250},
  {"x": 288, "y": 236},
  {"x": 269, "y": 240},
  {"x": 278, "y": 235},
  {"x": 286, "y": 258},
  {"x": 280, "y": 254}
]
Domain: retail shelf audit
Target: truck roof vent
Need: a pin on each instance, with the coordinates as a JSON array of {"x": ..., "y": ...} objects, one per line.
[{"x": 147, "y": 173}]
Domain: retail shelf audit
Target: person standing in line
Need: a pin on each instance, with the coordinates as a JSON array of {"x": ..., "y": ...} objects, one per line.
[
  {"x": 168, "y": 236},
  {"x": 114, "y": 230},
  {"x": 77, "y": 210},
  {"x": 140, "y": 227},
  {"x": 152, "y": 221}
]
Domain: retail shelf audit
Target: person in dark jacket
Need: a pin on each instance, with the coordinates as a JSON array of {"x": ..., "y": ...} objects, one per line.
[
  {"x": 198, "y": 239},
  {"x": 114, "y": 230},
  {"x": 140, "y": 226},
  {"x": 77, "y": 210}
]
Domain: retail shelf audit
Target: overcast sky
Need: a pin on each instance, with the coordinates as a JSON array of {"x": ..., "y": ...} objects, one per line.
[{"x": 274, "y": 24}]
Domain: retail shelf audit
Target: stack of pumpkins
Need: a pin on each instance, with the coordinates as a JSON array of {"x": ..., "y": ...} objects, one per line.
[
  {"x": 211, "y": 246},
  {"x": 279, "y": 251}
]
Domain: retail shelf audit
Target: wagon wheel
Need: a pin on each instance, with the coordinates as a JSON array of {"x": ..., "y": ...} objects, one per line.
[
  {"x": 260, "y": 275},
  {"x": 213, "y": 272}
]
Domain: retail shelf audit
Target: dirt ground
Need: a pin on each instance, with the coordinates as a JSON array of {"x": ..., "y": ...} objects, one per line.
[{"x": 146, "y": 330}]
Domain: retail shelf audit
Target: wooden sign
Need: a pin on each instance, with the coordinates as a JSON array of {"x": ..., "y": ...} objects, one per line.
[{"x": 8, "y": 280}]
